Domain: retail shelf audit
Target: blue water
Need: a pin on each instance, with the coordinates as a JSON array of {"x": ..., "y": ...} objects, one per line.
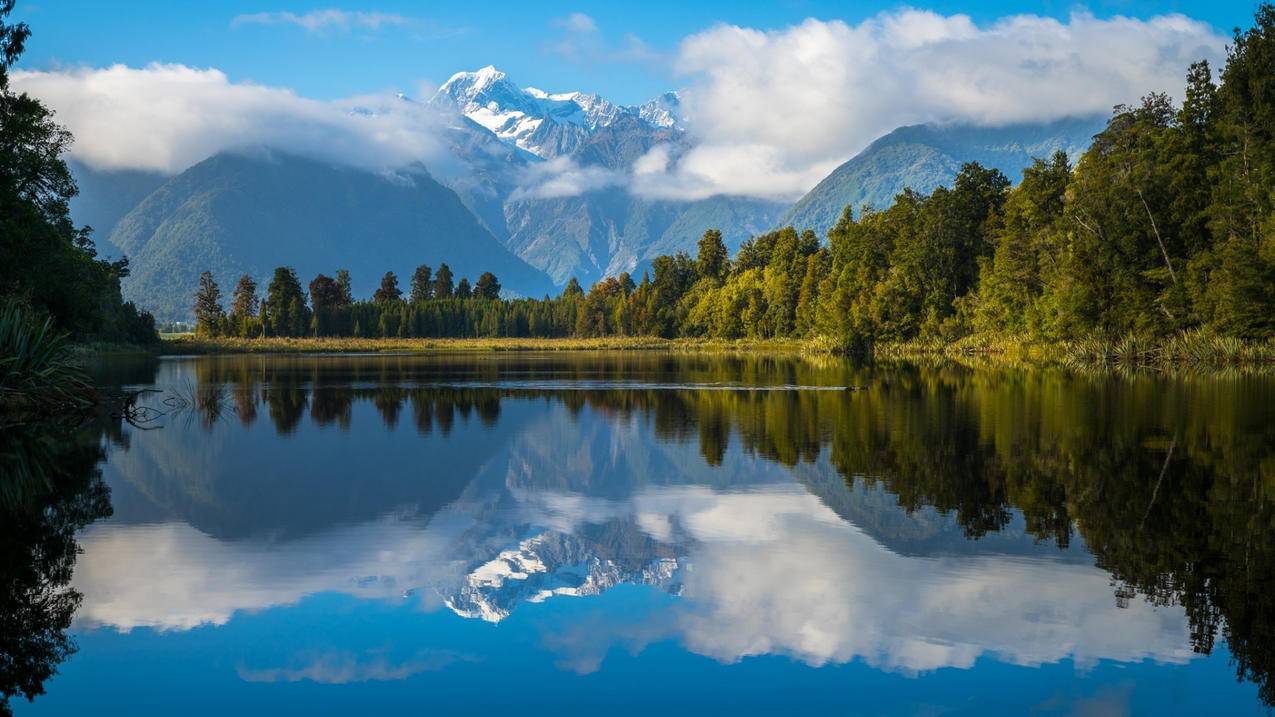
[{"x": 298, "y": 538}]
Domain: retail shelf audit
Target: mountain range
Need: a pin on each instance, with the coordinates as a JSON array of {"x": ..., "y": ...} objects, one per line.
[
  {"x": 252, "y": 210},
  {"x": 925, "y": 157}
]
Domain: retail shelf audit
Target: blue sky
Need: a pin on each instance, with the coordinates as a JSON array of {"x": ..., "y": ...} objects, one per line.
[
  {"x": 774, "y": 96},
  {"x": 524, "y": 39}
]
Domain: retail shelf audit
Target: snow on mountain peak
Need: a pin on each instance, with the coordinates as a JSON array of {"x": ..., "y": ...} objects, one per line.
[
  {"x": 543, "y": 123},
  {"x": 548, "y": 565},
  {"x": 663, "y": 111}
]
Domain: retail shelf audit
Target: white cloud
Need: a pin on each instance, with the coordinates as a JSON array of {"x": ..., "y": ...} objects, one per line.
[
  {"x": 342, "y": 667},
  {"x": 582, "y": 42},
  {"x": 562, "y": 177},
  {"x": 319, "y": 21},
  {"x": 851, "y": 598},
  {"x": 770, "y": 112},
  {"x": 168, "y": 117},
  {"x": 774, "y": 111},
  {"x": 847, "y": 598},
  {"x": 577, "y": 22},
  {"x": 187, "y": 578}
]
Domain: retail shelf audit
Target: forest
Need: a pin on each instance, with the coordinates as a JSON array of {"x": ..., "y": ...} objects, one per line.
[{"x": 1163, "y": 226}]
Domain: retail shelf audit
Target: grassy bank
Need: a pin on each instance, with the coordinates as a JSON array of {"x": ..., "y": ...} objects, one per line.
[
  {"x": 1193, "y": 349},
  {"x": 190, "y": 345}
]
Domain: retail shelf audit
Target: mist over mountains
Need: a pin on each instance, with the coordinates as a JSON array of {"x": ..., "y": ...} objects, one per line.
[{"x": 537, "y": 187}]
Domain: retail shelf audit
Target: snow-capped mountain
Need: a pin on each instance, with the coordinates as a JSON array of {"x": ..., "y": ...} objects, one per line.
[
  {"x": 547, "y": 565},
  {"x": 663, "y": 111},
  {"x": 546, "y": 124}
]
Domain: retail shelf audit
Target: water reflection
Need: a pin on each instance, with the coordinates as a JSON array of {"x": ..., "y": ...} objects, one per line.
[
  {"x": 50, "y": 487},
  {"x": 942, "y": 516}
]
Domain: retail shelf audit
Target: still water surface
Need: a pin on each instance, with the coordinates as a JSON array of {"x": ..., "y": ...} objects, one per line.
[{"x": 642, "y": 533}]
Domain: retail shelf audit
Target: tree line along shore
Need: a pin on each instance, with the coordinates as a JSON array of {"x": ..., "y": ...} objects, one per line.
[
  {"x": 1157, "y": 244},
  {"x": 1158, "y": 241}
]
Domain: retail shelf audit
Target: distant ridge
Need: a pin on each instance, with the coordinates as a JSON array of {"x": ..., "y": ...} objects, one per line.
[
  {"x": 925, "y": 157},
  {"x": 235, "y": 213}
]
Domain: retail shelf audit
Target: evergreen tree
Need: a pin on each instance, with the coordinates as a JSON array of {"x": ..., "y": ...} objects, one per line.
[
  {"x": 264, "y": 316},
  {"x": 488, "y": 287},
  {"x": 325, "y": 298},
  {"x": 626, "y": 283},
  {"x": 1025, "y": 249},
  {"x": 208, "y": 309},
  {"x": 573, "y": 288},
  {"x": 462, "y": 289},
  {"x": 443, "y": 282},
  {"x": 244, "y": 304},
  {"x": 298, "y": 321},
  {"x": 285, "y": 304},
  {"x": 343, "y": 284},
  {"x": 325, "y": 293},
  {"x": 712, "y": 258},
  {"x": 422, "y": 284},
  {"x": 388, "y": 290},
  {"x": 243, "y": 308}
]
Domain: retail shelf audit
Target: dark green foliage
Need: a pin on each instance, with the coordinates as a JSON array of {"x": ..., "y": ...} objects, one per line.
[
  {"x": 422, "y": 283},
  {"x": 388, "y": 291},
  {"x": 443, "y": 282},
  {"x": 1164, "y": 225},
  {"x": 343, "y": 283},
  {"x": 463, "y": 290},
  {"x": 208, "y": 310},
  {"x": 325, "y": 296},
  {"x": 52, "y": 489},
  {"x": 37, "y": 373},
  {"x": 46, "y": 262},
  {"x": 285, "y": 313},
  {"x": 488, "y": 287},
  {"x": 325, "y": 293},
  {"x": 711, "y": 259}
]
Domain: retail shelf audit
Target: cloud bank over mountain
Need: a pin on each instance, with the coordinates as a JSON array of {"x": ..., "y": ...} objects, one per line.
[
  {"x": 768, "y": 113},
  {"x": 168, "y": 117},
  {"x": 772, "y": 112}
]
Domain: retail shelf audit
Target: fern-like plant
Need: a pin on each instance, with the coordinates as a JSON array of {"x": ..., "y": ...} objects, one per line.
[{"x": 38, "y": 373}]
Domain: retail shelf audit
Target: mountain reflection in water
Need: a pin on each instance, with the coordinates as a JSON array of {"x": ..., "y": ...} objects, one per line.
[{"x": 941, "y": 517}]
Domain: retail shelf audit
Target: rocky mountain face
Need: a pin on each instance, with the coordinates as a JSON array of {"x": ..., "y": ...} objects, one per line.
[
  {"x": 544, "y": 124},
  {"x": 925, "y": 157},
  {"x": 249, "y": 213},
  {"x": 609, "y": 231},
  {"x": 606, "y": 231}
]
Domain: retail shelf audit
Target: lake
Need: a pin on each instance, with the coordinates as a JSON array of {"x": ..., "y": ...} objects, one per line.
[{"x": 642, "y": 533}]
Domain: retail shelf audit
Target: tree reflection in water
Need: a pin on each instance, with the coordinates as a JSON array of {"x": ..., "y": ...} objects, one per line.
[
  {"x": 1169, "y": 482},
  {"x": 51, "y": 488}
]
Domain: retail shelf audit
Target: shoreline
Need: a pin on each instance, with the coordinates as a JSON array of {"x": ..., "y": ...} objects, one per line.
[
  {"x": 1191, "y": 351},
  {"x": 191, "y": 346}
]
